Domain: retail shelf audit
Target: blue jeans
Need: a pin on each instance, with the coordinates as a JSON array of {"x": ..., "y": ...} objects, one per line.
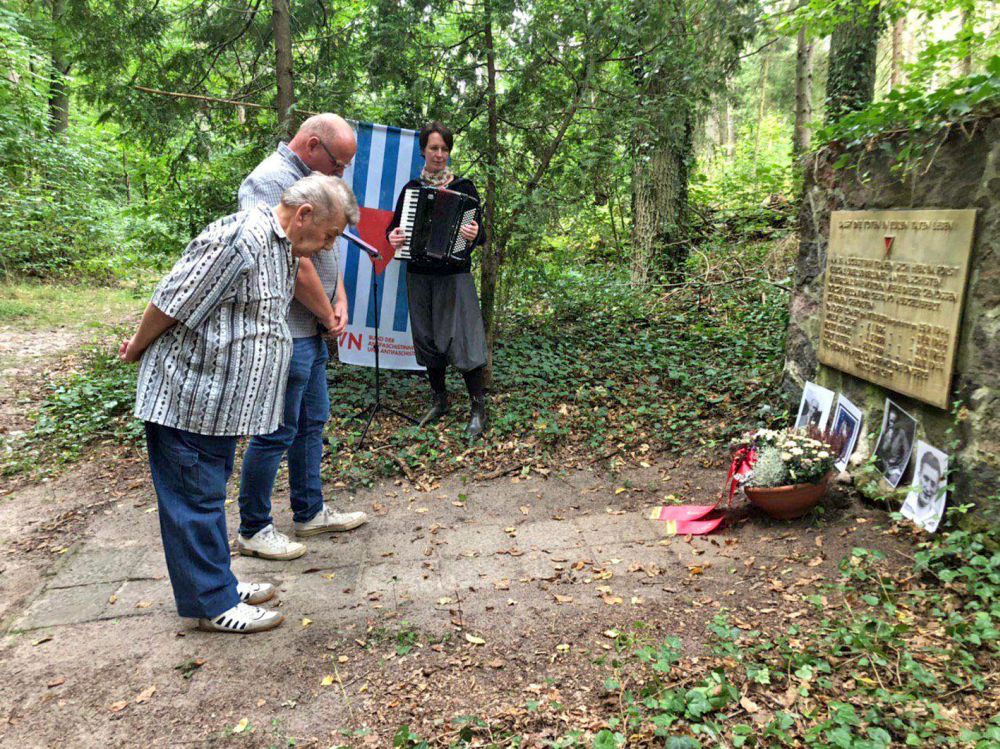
[
  {"x": 307, "y": 408},
  {"x": 190, "y": 472}
]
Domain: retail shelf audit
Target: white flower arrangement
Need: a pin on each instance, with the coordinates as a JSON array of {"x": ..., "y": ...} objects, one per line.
[{"x": 786, "y": 456}]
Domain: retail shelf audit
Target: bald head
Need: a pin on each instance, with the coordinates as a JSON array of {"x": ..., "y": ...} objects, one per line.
[{"x": 325, "y": 143}]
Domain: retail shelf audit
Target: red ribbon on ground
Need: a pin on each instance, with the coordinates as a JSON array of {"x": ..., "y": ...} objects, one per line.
[{"x": 697, "y": 520}]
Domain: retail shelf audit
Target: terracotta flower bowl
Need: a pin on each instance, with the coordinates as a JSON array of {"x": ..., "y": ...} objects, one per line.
[{"x": 787, "y": 502}]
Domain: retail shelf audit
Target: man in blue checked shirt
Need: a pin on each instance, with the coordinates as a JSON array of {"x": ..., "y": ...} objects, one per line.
[
  {"x": 325, "y": 144},
  {"x": 215, "y": 349}
]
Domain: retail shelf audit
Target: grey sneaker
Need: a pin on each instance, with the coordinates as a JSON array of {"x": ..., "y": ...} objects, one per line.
[
  {"x": 328, "y": 521},
  {"x": 267, "y": 543},
  {"x": 242, "y": 619},
  {"x": 255, "y": 593}
]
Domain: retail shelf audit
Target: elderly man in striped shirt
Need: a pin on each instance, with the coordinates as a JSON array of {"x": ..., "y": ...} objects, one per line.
[
  {"x": 215, "y": 350},
  {"x": 324, "y": 143}
]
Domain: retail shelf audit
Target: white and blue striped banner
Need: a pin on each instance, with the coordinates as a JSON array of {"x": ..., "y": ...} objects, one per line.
[{"x": 387, "y": 158}]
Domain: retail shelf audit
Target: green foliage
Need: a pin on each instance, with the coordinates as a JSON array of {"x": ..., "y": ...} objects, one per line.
[
  {"x": 92, "y": 405},
  {"x": 890, "y": 659},
  {"x": 586, "y": 366},
  {"x": 760, "y": 166},
  {"x": 916, "y": 116}
]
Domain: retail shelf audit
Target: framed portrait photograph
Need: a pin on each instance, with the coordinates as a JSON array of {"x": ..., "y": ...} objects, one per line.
[
  {"x": 895, "y": 443},
  {"x": 815, "y": 406},
  {"x": 845, "y": 429},
  {"x": 928, "y": 495}
]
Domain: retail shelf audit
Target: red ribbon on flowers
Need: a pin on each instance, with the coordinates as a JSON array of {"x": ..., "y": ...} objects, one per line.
[{"x": 743, "y": 460}]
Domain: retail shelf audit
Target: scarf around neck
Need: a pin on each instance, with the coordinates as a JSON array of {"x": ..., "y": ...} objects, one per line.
[{"x": 437, "y": 179}]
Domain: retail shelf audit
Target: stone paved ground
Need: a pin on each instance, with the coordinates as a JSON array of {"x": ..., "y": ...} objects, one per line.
[{"x": 538, "y": 568}]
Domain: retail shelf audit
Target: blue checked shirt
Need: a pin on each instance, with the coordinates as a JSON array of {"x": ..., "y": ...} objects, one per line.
[
  {"x": 273, "y": 176},
  {"x": 222, "y": 369}
]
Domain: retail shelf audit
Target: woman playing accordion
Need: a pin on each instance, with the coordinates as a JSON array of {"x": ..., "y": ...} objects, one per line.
[{"x": 445, "y": 317}]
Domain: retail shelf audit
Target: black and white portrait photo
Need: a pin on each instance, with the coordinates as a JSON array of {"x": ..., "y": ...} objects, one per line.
[
  {"x": 925, "y": 503},
  {"x": 845, "y": 429},
  {"x": 895, "y": 443},
  {"x": 815, "y": 407}
]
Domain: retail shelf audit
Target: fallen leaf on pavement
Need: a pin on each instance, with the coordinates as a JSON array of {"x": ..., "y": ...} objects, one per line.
[
  {"x": 145, "y": 695},
  {"x": 117, "y": 707},
  {"x": 57, "y": 682},
  {"x": 475, "y": 640}
]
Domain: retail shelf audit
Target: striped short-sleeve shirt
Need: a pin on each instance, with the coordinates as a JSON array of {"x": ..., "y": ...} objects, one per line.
[
  {"x": 222, "y": 369},
  {"x": 265, "y": 184}
]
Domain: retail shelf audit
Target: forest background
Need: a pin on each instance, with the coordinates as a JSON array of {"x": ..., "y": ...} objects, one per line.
[{"x": 640, "y": 163}]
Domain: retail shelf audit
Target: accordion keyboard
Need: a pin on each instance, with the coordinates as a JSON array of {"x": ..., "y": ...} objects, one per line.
[{"x": 406, "y": 220}]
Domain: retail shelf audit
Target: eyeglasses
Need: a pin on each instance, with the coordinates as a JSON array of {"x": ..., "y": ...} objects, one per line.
[{"x": 336, "y": 163}]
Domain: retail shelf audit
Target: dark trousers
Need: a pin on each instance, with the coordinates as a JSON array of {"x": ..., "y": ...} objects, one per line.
[
  {"x": 190, "y": 472},
  {"x": 446, "y": 321}
]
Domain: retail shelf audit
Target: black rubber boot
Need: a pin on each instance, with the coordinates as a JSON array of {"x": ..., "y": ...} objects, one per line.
[
  {"x": 439, "y": 407},
  {"x": 477, "y": 419}
]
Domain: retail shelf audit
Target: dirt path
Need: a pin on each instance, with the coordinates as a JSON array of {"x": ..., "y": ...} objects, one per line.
[
  {"x": 474, "y": 599},
  {"x": 378, "y": 621},
  {"x": 25, "y": 358}
]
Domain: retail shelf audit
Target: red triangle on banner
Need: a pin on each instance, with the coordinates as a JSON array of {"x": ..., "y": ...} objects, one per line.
[
  {"x": 888, "y": 239},
  {"x": 371, "y": 228}
]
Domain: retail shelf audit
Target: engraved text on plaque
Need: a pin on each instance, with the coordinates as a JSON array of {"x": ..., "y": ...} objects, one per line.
[{"x": 892, "y": 299}]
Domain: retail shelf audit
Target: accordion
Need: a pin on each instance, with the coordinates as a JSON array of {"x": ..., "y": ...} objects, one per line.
[{"x": 431, "y": 218}]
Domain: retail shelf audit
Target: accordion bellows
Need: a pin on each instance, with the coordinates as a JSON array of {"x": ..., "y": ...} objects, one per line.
[{"x": 432, "y": 218}]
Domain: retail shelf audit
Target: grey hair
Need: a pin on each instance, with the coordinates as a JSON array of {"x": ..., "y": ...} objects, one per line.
[{"x": 327, "y": 195}]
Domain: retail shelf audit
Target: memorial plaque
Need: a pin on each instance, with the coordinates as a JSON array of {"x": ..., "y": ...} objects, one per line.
[{"x": 892, "y": 297}]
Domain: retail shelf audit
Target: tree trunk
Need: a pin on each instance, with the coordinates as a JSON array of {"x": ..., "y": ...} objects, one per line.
[
  {"x": 662, "y": 145},
  {"x": 59, "y": 85},
  {"x": 492, "y": 257},
  {"x": 968, "y": 29},
  {"x": 659, "y": 197},
  {"x": 803, "y": 94},
  {"x": 898, "y": 54},
  {"x": 730, "y": 129},
  {"x": 282, "y": 30},
  {"x": 760, "y": 112},
  {"x": 853, "y": 48},
  {"x": 724, "y": 118}
]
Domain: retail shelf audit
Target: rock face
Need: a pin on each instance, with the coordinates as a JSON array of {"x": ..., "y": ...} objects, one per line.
[{"x": 964, "y": 172}]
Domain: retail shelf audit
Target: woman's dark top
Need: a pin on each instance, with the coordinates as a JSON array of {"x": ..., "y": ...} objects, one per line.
[{"x": 442, "y": 267}]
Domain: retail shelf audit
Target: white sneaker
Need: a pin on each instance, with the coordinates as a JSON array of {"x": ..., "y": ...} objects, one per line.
[
  {"x": 242, "y": 619},
  {"x": 255, "y": 593},
  {"x": 267, "y": 543},
  {"x": 328, "y": 521}
]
